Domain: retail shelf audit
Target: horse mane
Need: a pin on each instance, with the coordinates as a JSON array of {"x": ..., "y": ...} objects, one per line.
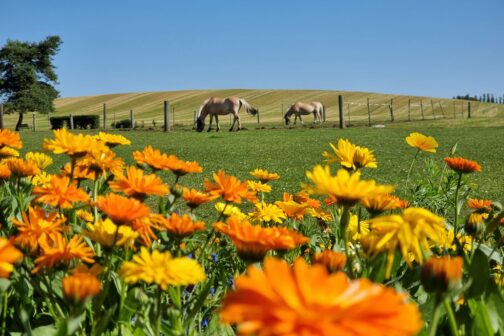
[{"x": 202, "y": 107}]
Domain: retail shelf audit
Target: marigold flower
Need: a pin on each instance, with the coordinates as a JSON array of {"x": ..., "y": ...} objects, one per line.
[
  {"x": 22, "y": 168},
  {"x": 61, "y": 251},
  {"x": 348, "y": 189},
  {"x": 306, "y": 300},
  {"x": 195, "y": 198},
  {"x": 80, "y": 286},
  {"x": 440, "y": 274},
  {"x": 5, "y": 172},
  {"x": 10, "y": 138},
  {"x": 356, "y": 229},
  {"x": 122, "y": 210},
  {"x": 41, "y": 160},
  {"x": 70, "y": 144},
  {"x": 7, "y": 152},
  {"x": 106, "y": 233},
  {"x": 229, "y": 187},
  {"x": 304, "y": 198},
  {"x": 479, "y": 204},
  {"x": 254, "y": 241},
  {"x": 151, "y": 157},
  {"x": 9, "y": 255},
  {"x": 37, "y": 226},
  {"x": 181, "y": 167},
  {"x": 160, "y": 161},
  {"x": 264, "y": 176},
  {"x": 320, "y": 214},
  {"x": 227, "y": 210},
  {"x": 378, "y": 203},
  {"x": 86, "y": 216},
  {"x": 258, "y": 186},
  {"x": 475, "y": 223},
  {"x": 333, "y": 261},
  {"x": 162, "y": 269},
  {"x": 112, "y": 140},
  {"x": 136, "y": 184},
  {"x": 101, "y": 162},
  {"x": 264, "y": 212},
  {"x": 351, "y": 156},
  {"x": 41, "y": 179},
  {"x": 81, "y": 171},
  {"x": 145, "y": 227},
  {"x": 461, "y": 165},
  {"x": 422, "y": 142},
  {"x": 60, "y": 193},
  {"x": 293, "y": 209},
  {"x": 181, "y": 226},
  {"x": 447, "y": 241}
]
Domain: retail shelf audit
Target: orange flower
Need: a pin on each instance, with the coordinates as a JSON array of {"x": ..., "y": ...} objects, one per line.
[
  {"x": 160, "y": 161},
  {"x": 138, "y": 185},
  {"x": 145, "y": 225},
  {"x": 80, "y": 286},
  {"x": 10, "y": 138},
  {"x": 22, "y": 168},
  {"x": 253, "y": 241},
  {"x": 461, "y": 165},
  {"x": 304, "y": 197},
  {"x": 81, "y": 171},
  {"x": 36, "y": 226},
  {"x": 195, "y": 198},
  {"x": 5, "y": 172},
  {"x": 229, "y": 187},
  {"x": 378, "y": 203},
  {"x": 75, "y": 146},
  {"x": 440, "y": 274},
  {"x": 306, "y": 300},
  {"x": 264, "y": 176},
  {"x": 180, "y": 167},
  {"x": 479, "y": 204},
  {"x": 9, "y": 255},
  {"x": 62, "y": 251},
  {"x": 102, "y": 161},
  {"x": 181, "y": 226},
  {"x": 112, "y": 140},
  {"x": 122, "y": 210},
  {"x": 7, "y": 152},
  {"x": 333, "y": 261},
  {"x": 422, "y": 142},
  {"x": 293, "y": 209},
  {"x": 60, "y": 193},
  {"x": 151, "y": 157}
]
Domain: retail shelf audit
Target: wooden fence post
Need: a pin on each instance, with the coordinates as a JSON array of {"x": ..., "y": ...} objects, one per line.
[
  {"x": 454, "y": 110},
  {"x": 421, "y": 109},
  {"x": 1, "y": 116},
  {"x": 104, "y": 116},
  {"x": 71, "y": 122},
  {"x": 442, "y": 109},
  {"x": 432, "y": 106},
  {"x": 34, "y": 122},
  {"x": 132, "y": 119},
  {"x": 468, "y": 110},
  {"x": 166, "y": 126},
  {"x": 391, "y": 107},
  {"x": 368, "y": 112},
  {"x": 323, "y": 113},
  {"x": 341, "y": 112},
  {"x": 409, "y": 109}
]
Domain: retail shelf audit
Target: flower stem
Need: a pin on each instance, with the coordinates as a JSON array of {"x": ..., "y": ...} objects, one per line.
[
  {"x": 451, "y": 317},
  {"x": 4, "y": 311},
  {"x": 455, "y": 218},
  {"x": 435, "y": 318},
  {"x": 158, "y": 312},
  {"x": 345, "y": 219},
  {"x": 411, "y": 168}
]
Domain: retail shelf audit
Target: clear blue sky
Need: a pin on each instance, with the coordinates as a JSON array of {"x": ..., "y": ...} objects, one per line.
[{"x": 435, "y": 48}]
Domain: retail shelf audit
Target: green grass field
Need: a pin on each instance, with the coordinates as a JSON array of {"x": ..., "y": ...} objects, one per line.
[{"x": 290, "y": 152}]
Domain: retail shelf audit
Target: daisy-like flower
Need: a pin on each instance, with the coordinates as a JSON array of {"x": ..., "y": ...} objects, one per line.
[
  {"x": 75, "y": 146},
  {"x": 422, "y": 142},
  {"x": 447, "y": 241},
  {"x": 348, "y": 189},
  {"x": 440, "y": 274},
  {"x": 122, "y": 210},
  {"x": 304, "y": 198},
  {"x": 350, "y": 156},
  {"x": 479, "y": 204},
  {"x": 305, "y": 300},
  {"x": 106, "y": 233},
  {"x": 41, "y": 179},
  {"x": 80, "y": 286},
  {"x": 10, "y": 138},
  {"x": 86, "y": 216},
  {"x": 229, "y": 187},
  {"x": 378, "y": 203},
  {"x": 293, "y": 209},
  {"x": 258, "y": 186},
  {"x": 181, "y": 167},
  {"x": 151, "y": 157},
  {"x": 22, "y": 168},
  {"x": 333, "y": 261},
  {"x": 9, "y": 255},
  {"x": 409, "y": 232},
  {"x": 265, "y": 212},
  {"x": 112, "y": 140},
  {"x": 5, "y": 172},
  {"x": 160, "y": 161},
  {"x": 226, "y": 210},
  {"x": 195, "y": 198},
  {"x": 135, "y": 184},
  {"x": 102, "y": 161},
  {"x": 36, "y": 226},
  {"x": 41, "y": 160},
  {"x": 475, "y": 223},
  {"x": 81, "y": 171},
  {"x": 162, "y": 269},
  {"x": 145, "y": 227},
  {"x": 264, "y": 176},
  {"x": 461, "y": 165},
  {"x": 61, "y": 251},
  {"x": 181, "y": 226},
  {"x": 60, "y": 192},
  {"x": 7, "y": 152},
  {"x": 254, "y": 241},
  {"x": 356, "y": 229}
]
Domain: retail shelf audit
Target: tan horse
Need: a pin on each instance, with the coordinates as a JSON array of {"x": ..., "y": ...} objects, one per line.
[
  {"x": 222, "y": 106},
  {"x": 299, "y": 109}
]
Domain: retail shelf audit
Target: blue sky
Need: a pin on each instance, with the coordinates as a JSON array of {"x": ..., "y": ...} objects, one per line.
[{"x": 430, "y": 47}]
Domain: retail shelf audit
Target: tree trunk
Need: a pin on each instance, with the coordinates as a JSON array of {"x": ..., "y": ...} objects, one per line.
[{"x": 19, "y": 122}]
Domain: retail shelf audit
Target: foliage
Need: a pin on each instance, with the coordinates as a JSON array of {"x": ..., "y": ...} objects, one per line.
[
  {"x": 80, "y": 122},
  {"x": 124, "y": 123}
]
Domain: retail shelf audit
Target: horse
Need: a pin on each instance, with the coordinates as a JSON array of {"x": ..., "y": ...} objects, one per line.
[
  {"x": 222, "y": 106},
  {"x": 299, "y": 109}
]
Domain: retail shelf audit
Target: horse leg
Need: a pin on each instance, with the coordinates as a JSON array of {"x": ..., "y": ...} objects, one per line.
[
  {"x": 295, "y": 119},
  {"x": 239, "y": 122},
  {"x": 210, "y": 123},
  {"x": 232, "y": 125},
  {"x": 217, "y": 122},
  {"x": 301, "y": 120}
]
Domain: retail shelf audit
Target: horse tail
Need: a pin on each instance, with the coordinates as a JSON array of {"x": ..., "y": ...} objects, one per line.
[{"x": 250, "y": 110}]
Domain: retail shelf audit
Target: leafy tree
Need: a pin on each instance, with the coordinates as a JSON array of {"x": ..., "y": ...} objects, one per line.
[{"x": 27, "y": 76}]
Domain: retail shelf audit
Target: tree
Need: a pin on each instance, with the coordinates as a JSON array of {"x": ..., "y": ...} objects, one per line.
[{"x": 27, "y": 76}]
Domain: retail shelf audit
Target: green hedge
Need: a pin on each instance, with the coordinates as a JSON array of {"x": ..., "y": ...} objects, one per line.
[
  {"x": 124, "y": 123},
  {"x": 79, "y": 121}
]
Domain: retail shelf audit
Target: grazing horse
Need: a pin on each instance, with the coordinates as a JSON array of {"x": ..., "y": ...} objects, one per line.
[
  {"x": 222, "y": 106},
  {"x": 299, "y": 109}
]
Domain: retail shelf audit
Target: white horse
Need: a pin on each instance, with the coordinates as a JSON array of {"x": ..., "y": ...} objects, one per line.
[
  {"x": 299, "y": 109},
  {"x": 222, "y": 106}
]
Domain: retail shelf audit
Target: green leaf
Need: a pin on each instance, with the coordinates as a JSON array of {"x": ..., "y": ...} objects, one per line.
[
  {"x": 4, "y": 284},
  {"x": 70, "y": 325},
  {"x": 494, "y": 255},
  {"x": 49, "y": 330},
  {"x": 495, "y": 305},
  {"x": 481, "y": 321},
  {"x": 199, "y": 303},
  {"x": 480, "y": 274}
]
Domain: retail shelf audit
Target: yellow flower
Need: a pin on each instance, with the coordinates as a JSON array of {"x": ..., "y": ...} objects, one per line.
[
  {"x": 230, "y": 210},
  {"x": 162, "y": 269},
  {"x": 264, "y": 176},
  {"x": 379, "y": 203},
  {"x": 9, "y": 255},
  {"x": 267, "y": 213},
  {"x": 356, "y": 229},
  {"x": 75, "y": 146},
  {"x": 422, "y": 142},
  {"x": 22, "y": 168},
  {"x": 86, "y": 216},
  {"x": 293, "y": 209},
  {"x": 258, "y": 186},
  {"x": 40, "y": 159},
  {"x": 7, "y": 152},
  {"x": 112, "y": 140},
  {"x": 41, "y": 179},
  {"x": 351, "y": 156},
  {"x": 108, "y": 234}
]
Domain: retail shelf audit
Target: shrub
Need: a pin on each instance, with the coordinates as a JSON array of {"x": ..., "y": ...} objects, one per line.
[
  {"x": 124, "y": 123},
  {"x": 79, "y": 122}
]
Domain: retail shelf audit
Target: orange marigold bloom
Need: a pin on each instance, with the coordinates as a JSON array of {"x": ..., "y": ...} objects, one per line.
[
  {"x": 264, "y": 176},
  {"x": 122, "y": 210},
  {"x": 422, "y": 142},
  {"x": 304, "y": 197},
  {"x": 479, "y": 204},
  {"x": 60, "y": 193},
  {"x": 378, "y": 203},
  {"x": 461, "y": 165},
  {"x": 160, "y": 161},
  {"x": 253, "y": 241},
  {"x": 5, "y": 172},
  {"x": 440, "y": 274},
  {"x": 333, "y": 261},
  {"x": 22, "y": 168},
  {"x": 306, "y": 300},
  {"x": 145, "y": 227},
  {"x": 80, "y": 286},
  {"x": 102, "y": 161},
  {"x": 73, "y": 145},
  {"x": 195, "y": 198},
  {"x": 62, "y": 251},
  {"x": 37, "y": 225},
  {"x": 181, "y": 226},
  {"x": 293, "y": 209},
  {"x": 81, "y": 171},
  {"x": 9, "y": 255},
  {"x": 181, "y": 167},
  {"x": 7, "y": 152},
  {"x": 229, "y": 187},
  {"x": 151, "y": 157},
  {"x": 112, "y": 140},
  {"x": 136, "y": 184},
  {"x": 10, "y": 138}
]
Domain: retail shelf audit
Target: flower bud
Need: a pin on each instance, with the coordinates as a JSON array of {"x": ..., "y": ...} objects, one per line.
[
  {"x": 441, "y": 274},
  {"x": 475, "y": 223}
]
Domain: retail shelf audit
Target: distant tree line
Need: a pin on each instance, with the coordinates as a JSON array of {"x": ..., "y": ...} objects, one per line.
[{"x": 484, "y": 98}]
